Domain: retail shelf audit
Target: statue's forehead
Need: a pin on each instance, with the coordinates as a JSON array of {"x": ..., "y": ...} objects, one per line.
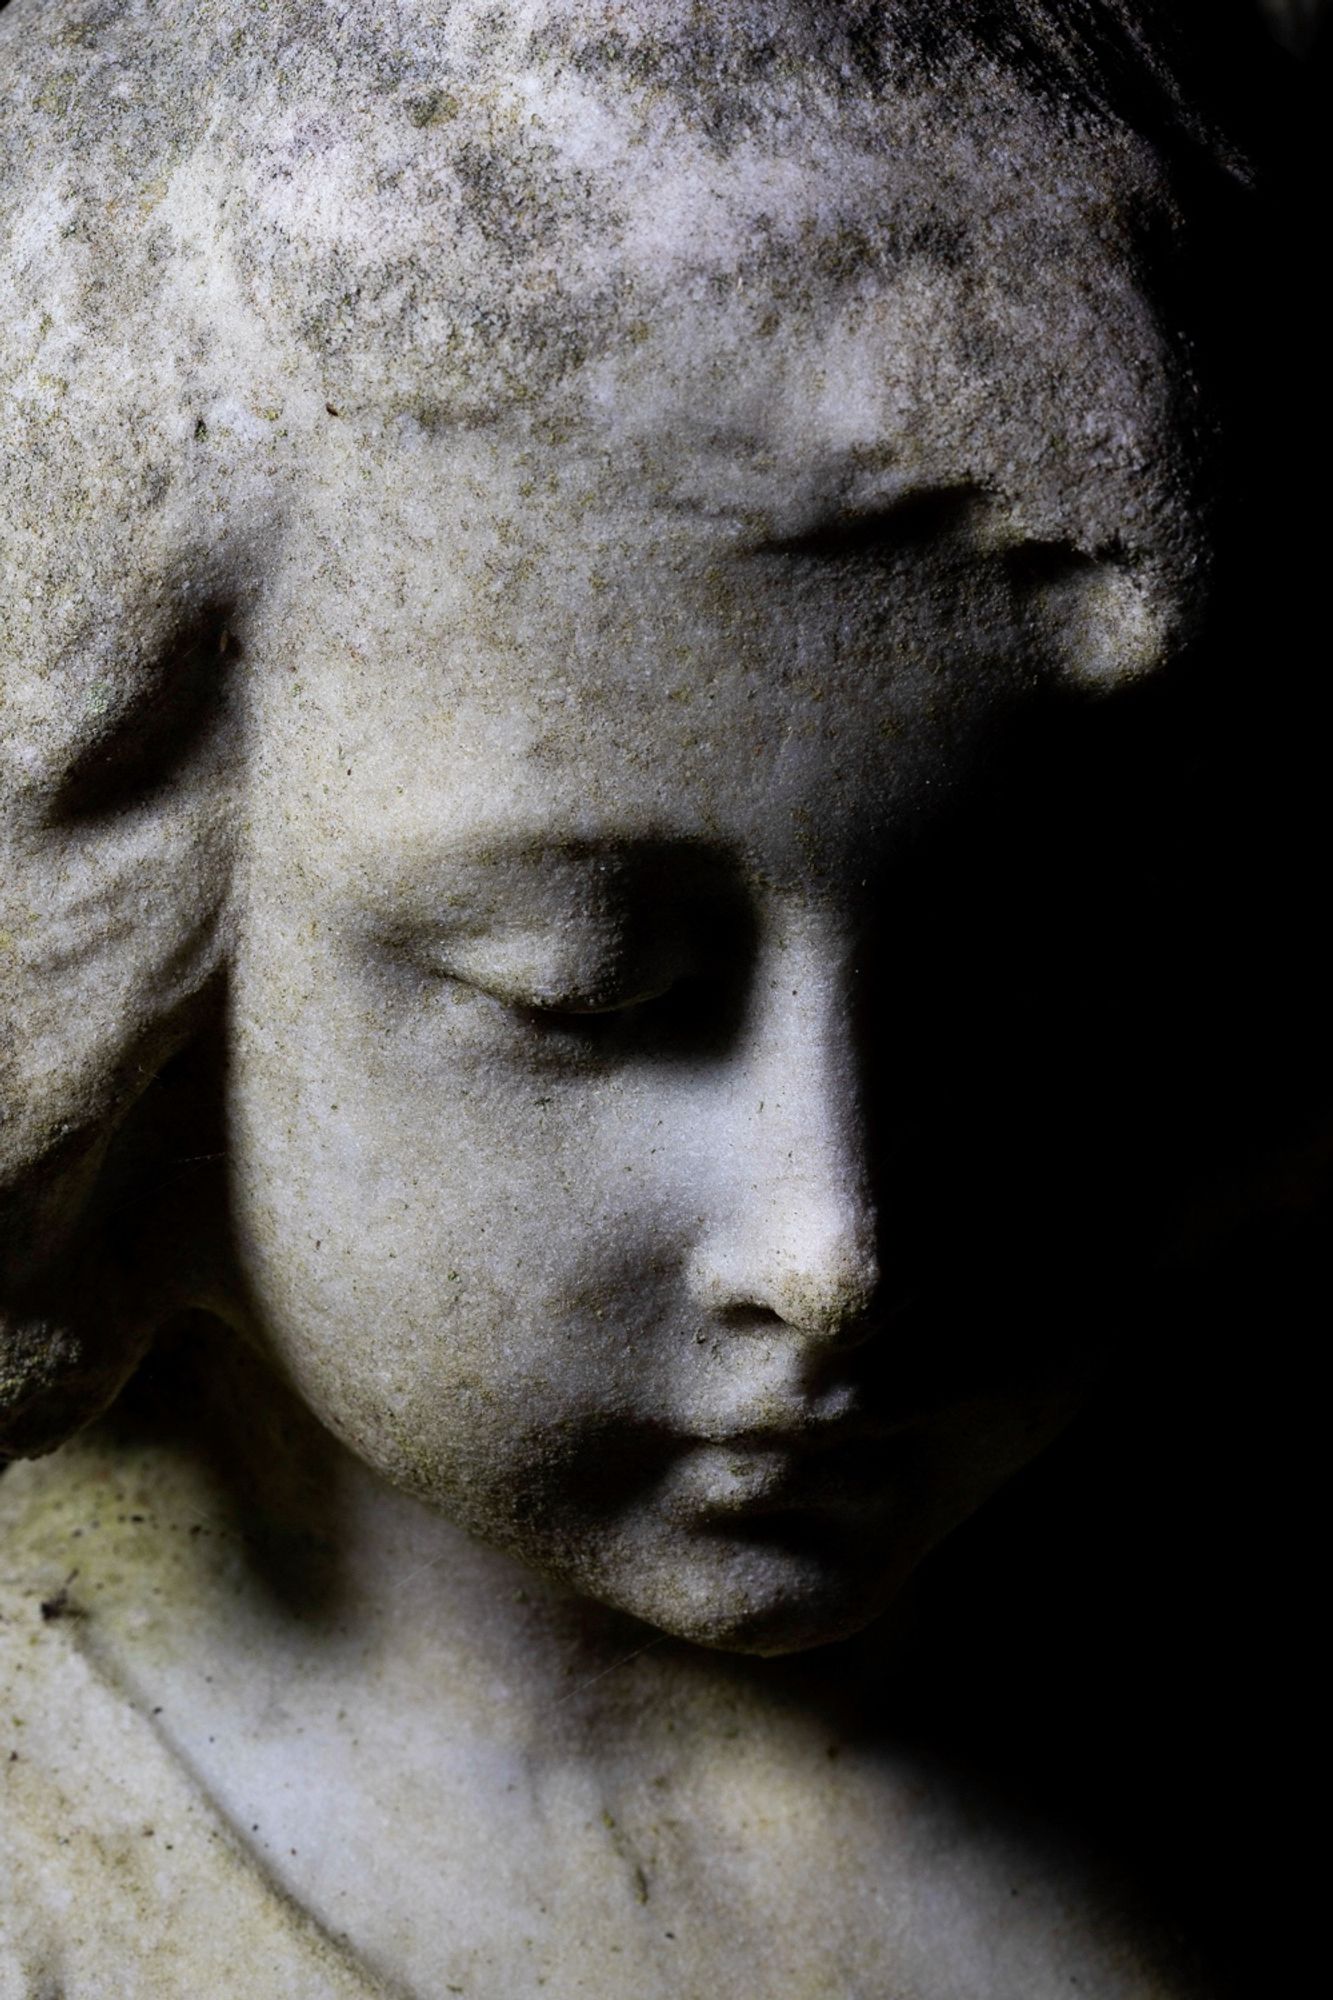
[
  {"x": 422, "y": 224},
  {"x": 852, "y": 274},
  {"x": 711, "y": 234},
  {"x": 546, "y": 172},
  {"x": 546, "y": 649}
]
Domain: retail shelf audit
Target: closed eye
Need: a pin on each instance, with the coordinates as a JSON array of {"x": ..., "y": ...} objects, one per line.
[
  {"x": 575, "y": 1013},
  {"x": 584, "y": 967},
  {"x": 685, "y": 1019},
  {"x": 573, "y": 1008}
]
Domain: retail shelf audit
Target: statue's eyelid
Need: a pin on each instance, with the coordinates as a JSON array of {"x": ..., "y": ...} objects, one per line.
[
  {"x": 433, "y": 961},
  {"x": 567, "y": 1007},
  {"x": 550, "y": 1005}
]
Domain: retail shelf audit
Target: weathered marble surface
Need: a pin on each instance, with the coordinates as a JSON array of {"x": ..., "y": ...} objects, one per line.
[
  {"x": 406, "y": 1764},
  {"x": 522, "y": 526}
]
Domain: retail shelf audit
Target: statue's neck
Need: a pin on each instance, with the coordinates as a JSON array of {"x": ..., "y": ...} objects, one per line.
[{"x": 299, "y": 1551}]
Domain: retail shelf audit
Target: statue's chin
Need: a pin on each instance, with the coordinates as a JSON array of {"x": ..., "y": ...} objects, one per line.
[
  {"x": 784, "y": 1634},
  {"x": 756, "y": 1600},
  {"x": 769, "y": 1631}
]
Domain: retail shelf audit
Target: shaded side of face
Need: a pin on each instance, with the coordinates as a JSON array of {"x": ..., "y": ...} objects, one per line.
[{"x": 671, "y": 1103}]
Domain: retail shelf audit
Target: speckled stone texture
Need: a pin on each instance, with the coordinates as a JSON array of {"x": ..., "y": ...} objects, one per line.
[
  {"x": 801, "y": 262},
  {"x": 522, "y": 525}
]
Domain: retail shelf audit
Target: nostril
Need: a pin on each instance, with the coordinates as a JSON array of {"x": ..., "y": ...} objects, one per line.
[
  {"x": 793, "y": 1243},
  {"x": 748, "y": 1316},
  {"x": 840, "y": 1316},
  {"x": 829, "y": 1290}
]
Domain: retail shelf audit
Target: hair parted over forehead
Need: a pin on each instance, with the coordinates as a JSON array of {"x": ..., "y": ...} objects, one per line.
[{"x": 225, "y": 230}]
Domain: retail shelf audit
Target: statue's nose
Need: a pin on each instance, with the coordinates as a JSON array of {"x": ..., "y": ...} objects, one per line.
[
  {"x": 792, "y": 1231},
  {"x": 817, "y": 1275}
]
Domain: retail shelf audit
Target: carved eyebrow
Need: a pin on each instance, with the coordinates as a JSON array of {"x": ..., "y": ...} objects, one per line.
[
  {"x": 920, "y": 514},
  {"x": 963, "y": 513},
  {"x": 1035, "y": 568},
  {"x": 484, "y": 848},
  {"x": 471, "y": 875}
]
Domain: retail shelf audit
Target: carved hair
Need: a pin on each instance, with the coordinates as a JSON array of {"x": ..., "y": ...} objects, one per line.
[{"x": 154, "y": 378}]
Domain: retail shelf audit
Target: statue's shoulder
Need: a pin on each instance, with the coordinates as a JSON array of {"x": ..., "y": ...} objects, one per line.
[
  {"x": 116, "y": 1872},
  {"x": 701, "y": 1826},
  {"x": 991, "y": 1901}
]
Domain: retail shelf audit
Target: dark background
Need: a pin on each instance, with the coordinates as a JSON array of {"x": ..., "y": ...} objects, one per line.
[{"x": 1127, "y": 1638}]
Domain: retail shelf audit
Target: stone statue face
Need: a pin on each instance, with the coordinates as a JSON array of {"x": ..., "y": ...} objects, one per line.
[
  {"x": 623, "y": 596},
  {"x": 554, "y": 1187},
  {"x": 565, "y": 926}
]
